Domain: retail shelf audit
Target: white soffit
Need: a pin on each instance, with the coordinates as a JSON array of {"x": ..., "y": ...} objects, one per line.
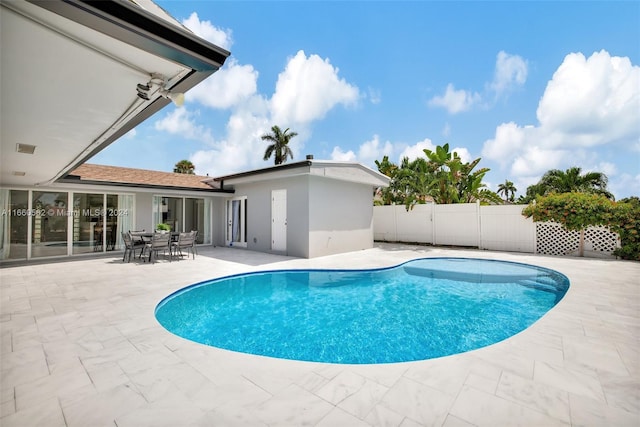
[{"x": 64, "y": 88}]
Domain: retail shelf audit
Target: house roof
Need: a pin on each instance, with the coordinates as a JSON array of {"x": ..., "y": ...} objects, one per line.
[
  {"x": 345, "y": 171},
  {"x": 70, "y": 76},
  {"x": 130, "y": 177}
]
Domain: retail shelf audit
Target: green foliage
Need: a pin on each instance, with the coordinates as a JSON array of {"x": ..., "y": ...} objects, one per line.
[
  {"x": 627, "y": 225},
  {"x": 441, "y": 177},
  {"x": 184, "y": 166},
  {"x": 571, "y": 180},
  {"x": 508, "y": 190},
  {"x": 279, "y": 147},
  {"x": 577, "y": 211},
  {"x": 163, "y": 227}
]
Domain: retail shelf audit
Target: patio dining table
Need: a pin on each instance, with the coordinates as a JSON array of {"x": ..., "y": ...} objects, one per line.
[{"x": 147, "y": 236}]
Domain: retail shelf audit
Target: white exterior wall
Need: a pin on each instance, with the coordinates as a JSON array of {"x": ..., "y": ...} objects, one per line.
[
  {"x": 456, "y": 224},
  {"x": 218, "y": 221},
  {"x": 504, "y": 228},
  {"x": 259, "y": 214},
  {"x": 340, "y": 216}
]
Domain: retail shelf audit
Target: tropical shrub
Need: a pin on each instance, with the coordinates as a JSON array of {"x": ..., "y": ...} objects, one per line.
[
  {"x": 577, "y": 211},
  {"x": 627, "y": 217},
  {"x": 163, "y": 227}
]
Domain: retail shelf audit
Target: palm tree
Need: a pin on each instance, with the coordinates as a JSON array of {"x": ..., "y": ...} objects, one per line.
[
  {"x": 572, "y": 180},
  {"x": 279, "y": 144},
  {"x": 508, "y": 190},
  {"x": 184, "y": 166}
]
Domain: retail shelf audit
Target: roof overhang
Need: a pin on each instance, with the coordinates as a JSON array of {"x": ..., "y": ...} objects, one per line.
[
  {"x": 69, "y": 75},
  {"x": 343, "y": 171}
]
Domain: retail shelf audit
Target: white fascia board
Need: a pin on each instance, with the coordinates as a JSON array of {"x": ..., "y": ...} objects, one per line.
[{"x": 351, "y": 172}]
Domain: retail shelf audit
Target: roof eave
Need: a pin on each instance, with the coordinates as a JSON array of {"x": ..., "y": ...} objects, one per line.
[{"x": 131, "y": 24}]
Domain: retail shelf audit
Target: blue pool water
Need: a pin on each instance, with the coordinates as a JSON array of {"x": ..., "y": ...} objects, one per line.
[{"x": 421, "y": 309}]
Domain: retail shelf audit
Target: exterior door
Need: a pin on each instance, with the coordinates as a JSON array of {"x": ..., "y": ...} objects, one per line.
[
  {"x": 279, "y": 220},
  {"x": 236, "y": 222}
]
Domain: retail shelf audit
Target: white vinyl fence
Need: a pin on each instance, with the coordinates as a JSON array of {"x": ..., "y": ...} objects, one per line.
[{"x": 499, "y": 228}]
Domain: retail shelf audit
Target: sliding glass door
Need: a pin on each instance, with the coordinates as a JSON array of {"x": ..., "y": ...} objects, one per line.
[
  {"x": 14, "y": 224},
  {"x": 184, "y": 214},
  {"x": 36, "y": 224},
  {"x": 49, "y": 223}
]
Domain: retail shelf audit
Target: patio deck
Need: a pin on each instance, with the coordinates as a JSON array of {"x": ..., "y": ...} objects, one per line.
[{"x": 81, "y": 347}]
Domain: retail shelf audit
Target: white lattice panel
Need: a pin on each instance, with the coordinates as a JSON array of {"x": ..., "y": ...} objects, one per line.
[
  {"x": 600, "y": 239},
  {"x": 553, "y": 239}
]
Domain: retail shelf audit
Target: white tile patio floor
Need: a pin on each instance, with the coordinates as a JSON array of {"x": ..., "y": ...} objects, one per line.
[{"x": 81, "y": 347}]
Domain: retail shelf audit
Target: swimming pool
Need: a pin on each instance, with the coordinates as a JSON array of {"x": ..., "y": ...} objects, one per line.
[{"x": 421, "y": 309}]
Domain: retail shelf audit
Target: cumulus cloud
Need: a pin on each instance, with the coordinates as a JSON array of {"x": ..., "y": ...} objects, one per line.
[
  {"x": 226, "y": 88},
  {"x": 208, "y": 31},
  {"x": 182, "y": 121},
  {"x": 511, "y": 71},
  {"x": 241, "y": 148},
  {"x": 368, "y": 152},
  {"x": 455, "y": 101},
  {"x": 592, "y": 100},
  {"x": 343, "y": 156},
  {"x": 307, "y": 89},
  {"x": 417, "y": 150},
  {"x": 589, "y": 102}
]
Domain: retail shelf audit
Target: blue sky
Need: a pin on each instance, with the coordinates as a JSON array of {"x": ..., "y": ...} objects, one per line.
[{"x": 526, "y": 86}]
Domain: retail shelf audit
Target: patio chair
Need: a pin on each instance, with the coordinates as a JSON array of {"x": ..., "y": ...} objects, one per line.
[
  {"x": 129, "y": 247},
  {"x": 138, "y": 240},
  {"x": 159, "y": 242},
  {"x": 185, "y": 241}
]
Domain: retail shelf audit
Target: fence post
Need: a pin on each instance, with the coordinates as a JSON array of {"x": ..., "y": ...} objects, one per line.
[{"x": 479, "y": 222}]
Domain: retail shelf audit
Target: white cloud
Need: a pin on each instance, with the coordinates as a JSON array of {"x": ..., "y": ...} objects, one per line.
[
  {"x": 588, "y": 102},
  {"x": 511, "y": 70},
  {"x": 229, "y": 86},
  {"x": 417, "y": 150},
  {"x": 208, "y": 31},
  {"x": 373, "y": 150},
  {"x": 241, "y": 149},
  {"x": 131, "y": 134},
  {"x": 307, "y": 89},
  {"x": 593, "y": 100},
  {"x": 455, "y": 101},
  {"x": 182, "y": 122},
  {"x": 625, "y": 185},
  {"x": 295, "y": 103},
  {"x": 368, "y": 152},
  {"x": 343, "y": 156}
]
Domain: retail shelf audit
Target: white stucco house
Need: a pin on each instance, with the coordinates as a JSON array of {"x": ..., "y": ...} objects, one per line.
[
  {"x": 76, "y": 76},
  {"x": 304, "y": 209}
]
